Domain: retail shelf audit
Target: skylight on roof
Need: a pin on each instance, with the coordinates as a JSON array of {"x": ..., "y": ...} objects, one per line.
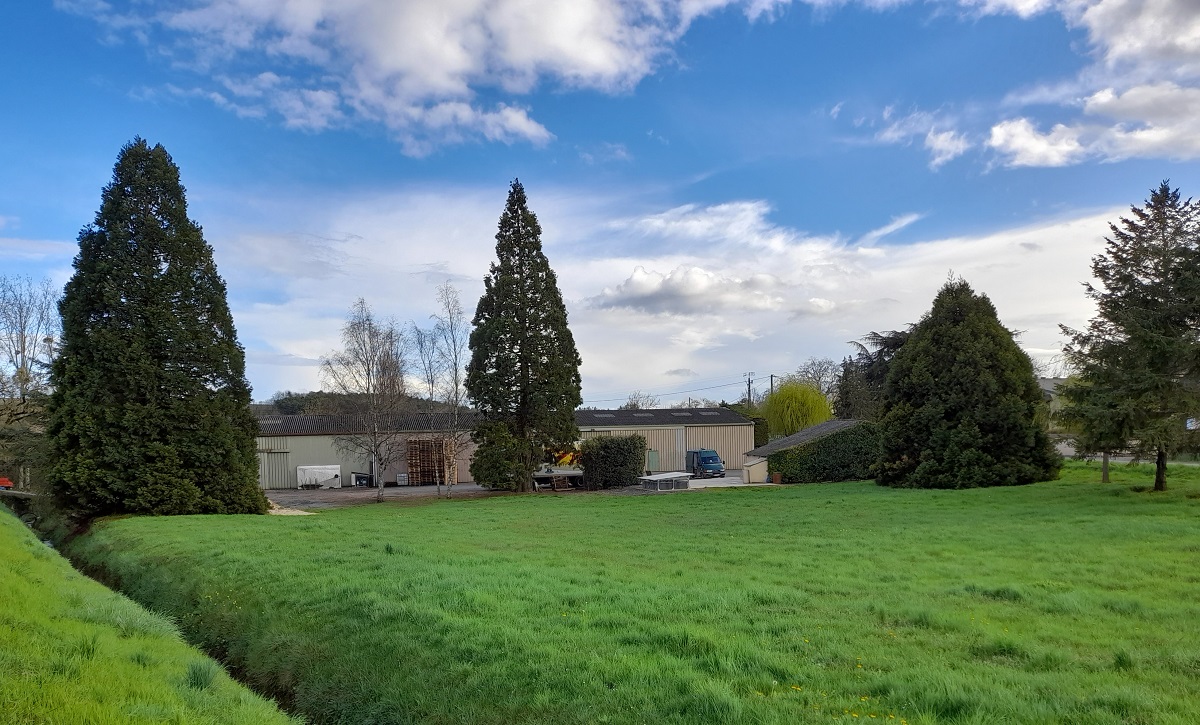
[
  {"x": 709, "y": 412},
  {"x": 643, "y": 415},
  {"x": 681, "y": 414},
  {"x": 605, "y": 415}
]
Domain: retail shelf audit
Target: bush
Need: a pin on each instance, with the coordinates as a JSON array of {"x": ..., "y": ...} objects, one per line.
[
  {"x": 612, "y": 461},
  {"x": 846, "y": 455}
]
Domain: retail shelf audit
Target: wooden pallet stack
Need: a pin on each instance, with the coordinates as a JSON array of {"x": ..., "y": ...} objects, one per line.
[{"x": 426, "y": 461}]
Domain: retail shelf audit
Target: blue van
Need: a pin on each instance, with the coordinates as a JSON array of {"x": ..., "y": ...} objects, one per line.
[{"x": 705, "y": 463}]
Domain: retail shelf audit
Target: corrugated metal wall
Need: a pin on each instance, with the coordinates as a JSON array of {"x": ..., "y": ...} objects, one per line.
[
  {"x": 729, "y": 441},
  {"x": 672, "y": 443},
  {"x": 278, "y": 457},
  {"x": 273, "y": 462}
]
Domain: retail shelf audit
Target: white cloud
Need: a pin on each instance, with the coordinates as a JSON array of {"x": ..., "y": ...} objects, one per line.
[
  {"x": 36, "y": 249},
  {"x": 689, "y": 290},
  {"x": 1024, "y": 145},
  {"x": 940, "y": 138},
  {"x": 699, "y": 288},
  {"x": 415, "y": 67},
  {"x": 891, "y": 227},
  {"x": 945, "y": 146},
  {"x": 1160, "y": 120}
]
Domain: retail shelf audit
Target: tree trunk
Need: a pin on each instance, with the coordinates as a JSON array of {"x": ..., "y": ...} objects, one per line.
[
  {"x": 1160, "y": 470},
  {"x": 1104, "y": 467}
]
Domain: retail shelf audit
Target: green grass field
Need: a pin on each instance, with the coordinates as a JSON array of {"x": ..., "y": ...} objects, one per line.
[
  {"x": 73, "y": 652},
  {"x": 1069, "y": 602}
]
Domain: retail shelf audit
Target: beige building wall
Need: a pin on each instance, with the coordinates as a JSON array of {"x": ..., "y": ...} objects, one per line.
[
  {"x": 755, "y": 470},
  {"x": 673, "y": 442},
  {"x": 278, "y": 457}
]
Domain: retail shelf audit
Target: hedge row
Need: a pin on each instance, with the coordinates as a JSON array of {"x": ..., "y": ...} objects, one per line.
[
  {"x": 846, "y": 455},
  {"x": 612, "y": 461}
]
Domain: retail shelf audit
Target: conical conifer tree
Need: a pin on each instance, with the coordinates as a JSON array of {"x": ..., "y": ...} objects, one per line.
[
  {"x": 150, "y": 410},
  {"x": 961, "y": 404},
  {"x": 523, "y": 376}
]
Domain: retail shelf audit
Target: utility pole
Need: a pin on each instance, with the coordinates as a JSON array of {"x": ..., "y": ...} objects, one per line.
[
  {"x": 749, "y": 380},
  {"x": 772, "y": 383}
]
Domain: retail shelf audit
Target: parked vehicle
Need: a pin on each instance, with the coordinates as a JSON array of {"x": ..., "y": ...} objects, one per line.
[{"x": 705, "y": 463}]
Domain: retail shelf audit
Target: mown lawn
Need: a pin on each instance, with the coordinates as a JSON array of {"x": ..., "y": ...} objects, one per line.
[
  {"x": 73, "y": 652},
  {"x": 1069, "y": 601}
]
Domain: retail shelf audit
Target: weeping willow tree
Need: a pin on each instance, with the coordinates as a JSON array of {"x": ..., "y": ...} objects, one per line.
[{"x": 794, "y": 406}]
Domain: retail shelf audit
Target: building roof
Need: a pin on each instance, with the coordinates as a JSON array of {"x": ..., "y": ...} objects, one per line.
[
  {"x": 807, "y": 435},
  {"x": 315, "y": 425},
  {"x": 659, "y": 416},
  {"x": 301, "y": 425}
]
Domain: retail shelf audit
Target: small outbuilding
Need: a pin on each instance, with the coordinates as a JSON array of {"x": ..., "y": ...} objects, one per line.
[{"x": 836, "y": 450}]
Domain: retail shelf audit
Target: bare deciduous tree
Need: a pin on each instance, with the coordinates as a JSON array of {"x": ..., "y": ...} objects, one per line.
[
  {"x": 454, "y": 331},
  {"x": 429, "y": 366},
  {"x": 639, "y": 400},
  {"x": 29, "y": 330},
  {"x": 820, "y": 372},
  {"x": 370, "y": 370}
]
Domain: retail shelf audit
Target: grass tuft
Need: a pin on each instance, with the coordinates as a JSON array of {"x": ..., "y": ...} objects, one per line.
[{"x": 201, "y": 674}]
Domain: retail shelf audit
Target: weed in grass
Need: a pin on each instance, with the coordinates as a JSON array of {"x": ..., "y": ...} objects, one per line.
[
  {"x": 85, "y": 648},
  {"x": 1124, "y": 607},
  {"x": 1000, "y": 649},
  {"x": 389, "y": 549},
  {"x": 1122, "y": 661},
  {"x": 141, "y": 659},
  {"x": 1000, "y": 594},
  {"x": 201, "y": 674}
]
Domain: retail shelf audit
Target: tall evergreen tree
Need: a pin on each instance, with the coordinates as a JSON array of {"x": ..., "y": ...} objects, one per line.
[
  {"x": 150, "y": 409},
  {"x": 1138, "y": 361},
  {"x": 961, "y": 403},
  {"x": 524, "y": 371},
  {"x": 861, "y": 379}
]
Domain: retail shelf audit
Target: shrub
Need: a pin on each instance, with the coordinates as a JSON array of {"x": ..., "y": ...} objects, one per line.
[
  {"x": 846, "y": 455},
  {"x": 612, "y": 461}
]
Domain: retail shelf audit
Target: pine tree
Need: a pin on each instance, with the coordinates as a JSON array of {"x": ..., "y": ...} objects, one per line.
[
  {"x": 524, "y": 371},
  {"x": 150, "y": 409},
  {"x": 1138, "y": 360},
  {"x": 961, "y": 403}
]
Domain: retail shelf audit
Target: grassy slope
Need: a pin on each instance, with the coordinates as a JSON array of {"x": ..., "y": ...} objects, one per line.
[
  {"x": 74, "y": 652},
  {"x": 1060, "y": 602}
]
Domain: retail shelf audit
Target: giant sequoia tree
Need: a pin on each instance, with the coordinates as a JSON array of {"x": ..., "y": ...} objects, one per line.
[
  {"x": 524, "y": 371},
  {"x": 149, "y": 412},
  {"x": 1138, "y": 360},
  {"x": 961, "y": 403}
]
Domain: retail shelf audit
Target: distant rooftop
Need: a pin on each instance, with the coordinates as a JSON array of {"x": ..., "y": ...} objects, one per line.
[
  {"x": 659, "y": 416},
  {"x": 271, "y": 423}
]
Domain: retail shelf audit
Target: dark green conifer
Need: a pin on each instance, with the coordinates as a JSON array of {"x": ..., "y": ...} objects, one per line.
[
  {"x": 150, "y": 410},
  {"x": 961, "y": 404},
  {"x": 1138, "y": 360},
  {"x": 523, "y": 376}
]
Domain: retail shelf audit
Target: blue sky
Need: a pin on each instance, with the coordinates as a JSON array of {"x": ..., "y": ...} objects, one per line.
[{"x": 724, "y": 186}]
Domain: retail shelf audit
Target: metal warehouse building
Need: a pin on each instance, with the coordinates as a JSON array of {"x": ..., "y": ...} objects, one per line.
[
  {"x": 671, "y": 432},
  {"x": 286, "y": 442}
]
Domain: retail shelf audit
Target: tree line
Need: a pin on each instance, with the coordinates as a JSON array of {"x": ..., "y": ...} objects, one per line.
[{"x": 134, "y": 396}]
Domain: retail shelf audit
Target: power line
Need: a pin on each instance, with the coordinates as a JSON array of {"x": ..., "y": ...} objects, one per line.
[
  {"x": 677, "y": 392},
  {"x": 623, "y": 398}
]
